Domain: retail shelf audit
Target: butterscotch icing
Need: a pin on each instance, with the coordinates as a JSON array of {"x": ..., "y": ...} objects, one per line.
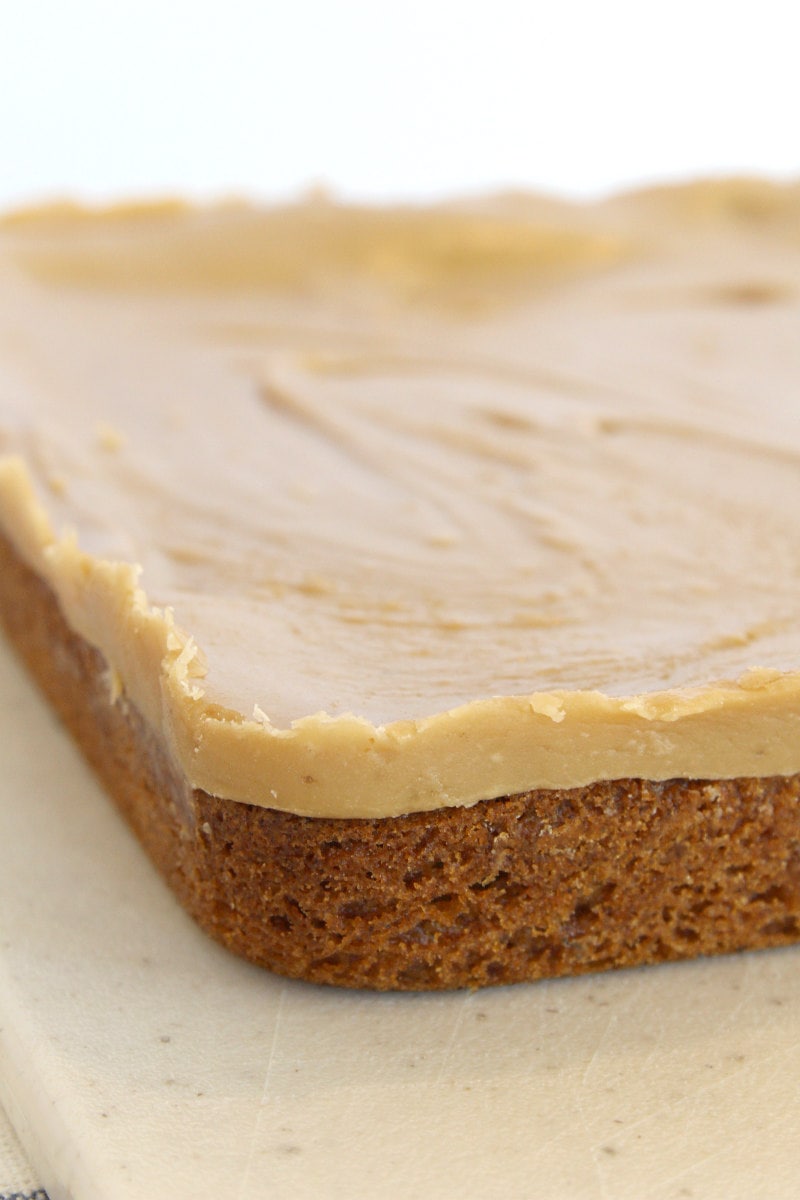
[{"x": 380, "y": 511}]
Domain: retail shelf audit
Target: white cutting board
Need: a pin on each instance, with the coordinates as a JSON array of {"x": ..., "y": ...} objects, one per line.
[{"x": 137, "y": 1059}]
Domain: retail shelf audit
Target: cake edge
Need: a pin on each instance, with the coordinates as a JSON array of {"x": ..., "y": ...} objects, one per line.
[{"x": 536, "y": 885}]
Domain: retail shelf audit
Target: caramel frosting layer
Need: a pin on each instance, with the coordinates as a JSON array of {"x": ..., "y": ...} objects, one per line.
[{"x": 375, "y": 511}]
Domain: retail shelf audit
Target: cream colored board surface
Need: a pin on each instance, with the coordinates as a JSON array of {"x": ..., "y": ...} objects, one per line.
[{"x": 138, "y": 1059}]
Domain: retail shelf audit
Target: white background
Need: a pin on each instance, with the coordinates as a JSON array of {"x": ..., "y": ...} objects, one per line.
[{"x": 415, "y": 99}]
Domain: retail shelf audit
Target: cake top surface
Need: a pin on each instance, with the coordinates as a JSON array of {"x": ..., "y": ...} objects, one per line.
[{"x": 504, "y": 465}]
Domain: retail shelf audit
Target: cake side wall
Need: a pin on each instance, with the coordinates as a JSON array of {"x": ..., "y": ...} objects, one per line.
[{"x": 541, "y": 884}]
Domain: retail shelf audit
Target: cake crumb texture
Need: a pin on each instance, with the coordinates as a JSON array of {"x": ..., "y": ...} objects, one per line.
[{"x": 541, "y": 884}]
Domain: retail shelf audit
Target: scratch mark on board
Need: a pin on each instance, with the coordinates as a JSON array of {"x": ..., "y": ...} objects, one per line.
[{"x": 254, "y": 1137}]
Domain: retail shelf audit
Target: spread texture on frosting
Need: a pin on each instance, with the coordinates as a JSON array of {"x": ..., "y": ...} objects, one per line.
[{"x": 374, "y": 511}]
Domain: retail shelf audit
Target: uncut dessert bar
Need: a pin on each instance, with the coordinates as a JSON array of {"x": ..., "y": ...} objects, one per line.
[{"x": 421, "y": 582}]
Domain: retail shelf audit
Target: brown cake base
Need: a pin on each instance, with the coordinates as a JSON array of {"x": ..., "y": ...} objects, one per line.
[{"x": 540, "y": 884}]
